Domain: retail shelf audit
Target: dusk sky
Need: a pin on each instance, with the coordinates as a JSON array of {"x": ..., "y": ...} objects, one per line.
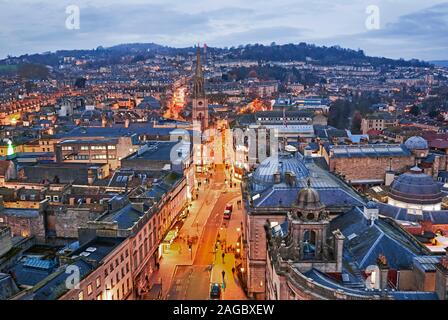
[{"x": 408, "y": 28}]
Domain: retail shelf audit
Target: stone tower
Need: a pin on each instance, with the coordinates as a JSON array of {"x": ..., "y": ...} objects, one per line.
[{"x": 200, "y": 103}]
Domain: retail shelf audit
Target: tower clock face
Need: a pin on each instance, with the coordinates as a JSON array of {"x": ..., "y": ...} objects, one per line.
[{"x": 200, "y": 103}]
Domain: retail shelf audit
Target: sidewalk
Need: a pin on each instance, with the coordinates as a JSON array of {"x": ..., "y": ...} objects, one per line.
[{"x": 179, "y": 253}]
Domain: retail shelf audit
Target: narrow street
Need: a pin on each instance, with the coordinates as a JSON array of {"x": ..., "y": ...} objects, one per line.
[{"x": 188, "y": 274}]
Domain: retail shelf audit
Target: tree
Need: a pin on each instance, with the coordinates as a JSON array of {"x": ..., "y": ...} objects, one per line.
[
  {"x": 33, "y": 71},
  {"x": 415, "y": 110},
  {"x": 433, "y": 113},
  {"x": 356, "y": 122}
]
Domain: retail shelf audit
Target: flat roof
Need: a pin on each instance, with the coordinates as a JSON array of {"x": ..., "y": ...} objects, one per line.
[
  {"x": 89, "y": 141},
  {"x": 98, "y": 248}
]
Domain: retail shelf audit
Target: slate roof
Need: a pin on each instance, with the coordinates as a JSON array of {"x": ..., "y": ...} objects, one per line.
[
  {"x": 416, "y": 187},
  {"x": 126, "y": 217},
  {"x": 8, "y": 288},
  {"x": 284, "y": 162},
  {"x": 401, "y": 214},
  {"x": 54, "y": 286},
  {"x": 332, "y": 191},
  {"x": 365, "y": 243},
  {"x": 330, "y": 197},
  {"x": 324, "y": 280},
  {"x": 370, "y": 150},
  {"x": 29, "y": 275},
  {"x": 116, "y": 131}
]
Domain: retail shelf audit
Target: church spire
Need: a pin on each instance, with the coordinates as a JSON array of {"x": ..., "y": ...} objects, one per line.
[{"x": 198, "y": 87}]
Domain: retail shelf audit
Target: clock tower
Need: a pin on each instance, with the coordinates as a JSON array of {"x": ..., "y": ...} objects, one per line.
[{"x": 200, "y": 103}]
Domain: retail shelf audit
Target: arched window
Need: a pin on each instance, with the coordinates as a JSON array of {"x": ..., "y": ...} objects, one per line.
[{"x": 309, "y": 244}]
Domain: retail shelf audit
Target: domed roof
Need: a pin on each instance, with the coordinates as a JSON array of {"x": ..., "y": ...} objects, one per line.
[
  {"x": 415, "y": 187},
  {"x": 281, "y": 164},
  {"x": 416, "y": 143},
  {"x": 309, "y": 199}
]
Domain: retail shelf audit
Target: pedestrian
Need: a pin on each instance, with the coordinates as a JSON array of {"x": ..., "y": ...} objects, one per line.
[
  {"x": 233, "y": 270},
  {"x": 223, "y": 255}
]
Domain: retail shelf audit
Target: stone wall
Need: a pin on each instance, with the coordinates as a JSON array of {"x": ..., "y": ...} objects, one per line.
[
  {"x": 372, "y": 168},
  {"x": 5, "y": 240},
  {"x": 68, "y": 221},
  {"x": 25, "y": 226},
  {"x": 256, "y": 251}
]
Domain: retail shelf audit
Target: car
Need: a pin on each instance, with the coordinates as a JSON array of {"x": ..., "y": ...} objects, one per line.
[
  {"x": 229, "y": 207},
  {"x": 215, "y": 291},
  {"x": 227, "y": 214}
]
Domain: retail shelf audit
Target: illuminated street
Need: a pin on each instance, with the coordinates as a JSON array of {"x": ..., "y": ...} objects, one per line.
[{"x": 191, "y": 279}]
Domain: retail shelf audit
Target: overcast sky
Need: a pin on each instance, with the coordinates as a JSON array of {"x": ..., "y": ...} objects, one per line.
[{"x": 407, "y": 28}]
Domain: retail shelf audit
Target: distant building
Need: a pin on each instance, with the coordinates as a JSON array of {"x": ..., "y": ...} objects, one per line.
[
  {"x": 378, "y": 121},
  {"x": 416, "y": 192},
  {"x": 367, "y": 164},
  {"x": 104, "y": 151}
]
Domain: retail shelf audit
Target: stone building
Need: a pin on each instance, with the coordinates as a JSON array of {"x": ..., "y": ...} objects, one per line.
[
  {"x": 378, "y": 121},
  {"x": 416, "y": 192},
  {"x": 5, "y": 239},
  {"x": 355, "y": 256},
  {"x": 367, "y": 164},
  {"x": 268, "y": 194}
]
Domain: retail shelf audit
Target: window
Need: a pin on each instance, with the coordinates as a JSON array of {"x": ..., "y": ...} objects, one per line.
[
  {"x": 84, "y": 147},
  {"x": 98, "y": 282},
  {"x": 98, "y": 148},
  {"x": 135, "y": 260},
  {"x": 67, "y": 148},
  {"x": 99, "y": 157},
  {"x": 89, "y": 289},
  {"x": 81, "y": 295},
  {"x": 99, "y": 297},
  {"x": 111, "y": 147},
  {"x": 55, "y": 198}
]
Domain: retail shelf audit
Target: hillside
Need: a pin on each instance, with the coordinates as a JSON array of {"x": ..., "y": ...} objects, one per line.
[{"x": 320, "y": 55}]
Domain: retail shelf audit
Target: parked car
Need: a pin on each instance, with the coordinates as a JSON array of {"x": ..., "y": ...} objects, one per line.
[
  {"x": 215, "y": 291},
  {"x": 227, "y": 214},
  {"x": 229, "y": 207}
]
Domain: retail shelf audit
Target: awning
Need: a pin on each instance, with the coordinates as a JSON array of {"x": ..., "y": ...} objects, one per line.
[{"x": 170, "y": 236}]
